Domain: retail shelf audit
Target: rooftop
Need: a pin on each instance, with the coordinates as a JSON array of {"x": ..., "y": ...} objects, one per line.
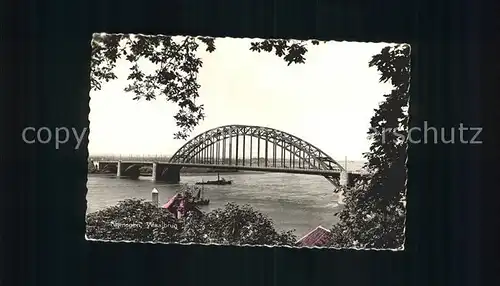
[{"x": 317, "y": 237}]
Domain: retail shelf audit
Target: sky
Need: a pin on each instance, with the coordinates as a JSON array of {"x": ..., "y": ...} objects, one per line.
[{"x": 328, "y": 101}]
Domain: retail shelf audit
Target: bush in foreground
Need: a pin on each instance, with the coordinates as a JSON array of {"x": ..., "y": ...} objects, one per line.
[
  {"x": 140, "y": 221},
  {"x": 235, "y": 225},
  {"x": 133, "y": 220}
]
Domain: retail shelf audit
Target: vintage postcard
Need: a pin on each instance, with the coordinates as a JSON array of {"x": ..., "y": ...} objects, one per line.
[{"x": 261, "y": 142}]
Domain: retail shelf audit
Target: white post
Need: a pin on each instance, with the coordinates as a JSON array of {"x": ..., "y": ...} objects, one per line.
[{"x": 154, "y": 197}]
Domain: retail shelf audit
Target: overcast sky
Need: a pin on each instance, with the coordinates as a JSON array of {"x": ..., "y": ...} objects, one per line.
[{"x": 328, "y": 101}]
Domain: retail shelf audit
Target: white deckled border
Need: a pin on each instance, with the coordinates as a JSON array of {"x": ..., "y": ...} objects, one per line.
[{"x": 401, "y": 248}]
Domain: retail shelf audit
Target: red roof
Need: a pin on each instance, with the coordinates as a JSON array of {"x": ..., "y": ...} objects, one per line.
[
  {"x": 317, "y": 237},
  {"x": 170, "y": 204},
  {"x": 173, "y": 207}
]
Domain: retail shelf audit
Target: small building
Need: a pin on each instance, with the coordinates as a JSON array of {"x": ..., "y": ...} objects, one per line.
[
  {"x": 179, "y": 206},
  {"x": 319, "y": 236},
  {"x": 172, "y": 205}
]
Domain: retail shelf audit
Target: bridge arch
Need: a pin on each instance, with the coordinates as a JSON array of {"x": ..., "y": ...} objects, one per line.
[{"x": 301, "y": 149}]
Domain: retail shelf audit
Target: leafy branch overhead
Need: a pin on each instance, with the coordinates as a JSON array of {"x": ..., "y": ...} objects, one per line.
[
  {"x": 292, "y": 51},
  {"x": 176, "y": 68}
]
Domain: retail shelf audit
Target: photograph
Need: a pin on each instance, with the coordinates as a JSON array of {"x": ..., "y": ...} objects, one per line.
[{"x": 248, "y": 142}]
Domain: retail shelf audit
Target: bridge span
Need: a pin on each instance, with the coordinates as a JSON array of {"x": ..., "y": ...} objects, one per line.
[
  {"x": 123, "y": 166},
  {"x": 243, "y": 147}
]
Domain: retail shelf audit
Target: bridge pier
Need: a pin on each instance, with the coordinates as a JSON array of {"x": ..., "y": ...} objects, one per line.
[
  {"x": 171, "y": 175},
  {"x": 119, "y": 169},
  {"x": 154, "y": 172}
]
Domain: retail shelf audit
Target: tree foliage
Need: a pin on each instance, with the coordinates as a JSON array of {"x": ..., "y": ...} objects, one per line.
[
  {"x": 291, "y": 51},
  {"x": 236, "y": 225},
  {"x": 374, "y": 213},
  {"x": 133, "y": 220},
  {"x": 136, "y": 220},
  {"x": 176, "y": 68}
]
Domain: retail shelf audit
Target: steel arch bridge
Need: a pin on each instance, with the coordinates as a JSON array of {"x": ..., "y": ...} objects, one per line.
[{"x": 289, "y": 152}]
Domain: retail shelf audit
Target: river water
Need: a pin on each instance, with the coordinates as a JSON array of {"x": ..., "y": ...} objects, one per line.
[{"x": 292, "y": 201}]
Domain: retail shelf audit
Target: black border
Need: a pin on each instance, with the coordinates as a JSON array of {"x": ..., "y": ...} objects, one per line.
[{"x": 46, "y": 216}]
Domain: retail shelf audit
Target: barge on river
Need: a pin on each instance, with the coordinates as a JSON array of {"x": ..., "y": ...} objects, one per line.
[{"x": 219, "y": 181}]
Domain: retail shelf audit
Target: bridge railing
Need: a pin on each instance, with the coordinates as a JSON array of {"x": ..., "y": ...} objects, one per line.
[{"x": 130, "y": 157}]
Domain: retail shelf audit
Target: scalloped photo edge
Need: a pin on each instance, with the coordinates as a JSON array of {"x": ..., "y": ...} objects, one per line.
[{"x": 216, "y": 142}]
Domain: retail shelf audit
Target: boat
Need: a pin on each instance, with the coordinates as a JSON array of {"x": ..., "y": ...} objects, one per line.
[
  {"x": 199, "y": 200},
  {"x": 220, "y": 181}
]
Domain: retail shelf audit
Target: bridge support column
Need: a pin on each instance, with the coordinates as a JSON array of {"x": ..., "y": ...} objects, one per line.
[
  {"x": 171, "y": 175},
  {"x": 119, "y": 169},
  {"x": 343, "y": 181},
  {"x": 154, "y": 173}
]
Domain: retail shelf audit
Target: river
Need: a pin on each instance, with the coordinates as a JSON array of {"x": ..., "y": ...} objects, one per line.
[{"x": 292, "y": 201}]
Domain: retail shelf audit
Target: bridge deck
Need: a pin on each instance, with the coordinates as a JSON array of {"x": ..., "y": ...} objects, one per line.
[{"x": 239, "y": 167}]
